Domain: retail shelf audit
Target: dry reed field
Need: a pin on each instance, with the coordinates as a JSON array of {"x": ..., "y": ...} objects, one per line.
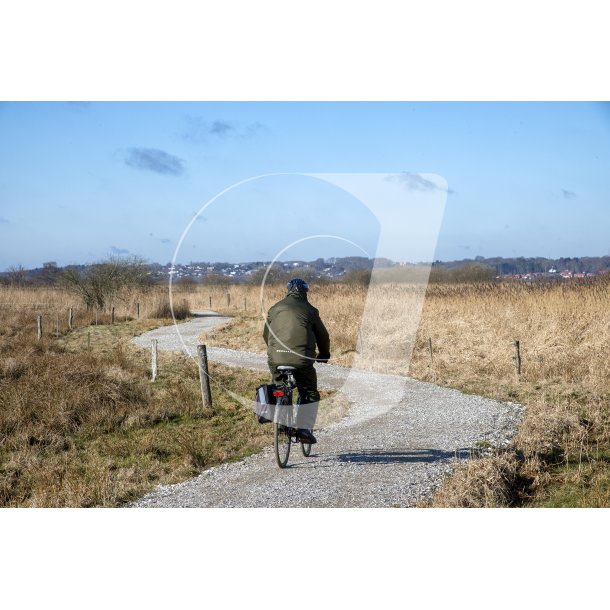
[
  {"x": 81, "y": 424},
  {"x": 561, "y": 452}
]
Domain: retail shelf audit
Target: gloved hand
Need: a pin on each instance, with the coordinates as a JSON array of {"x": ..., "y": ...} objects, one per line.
[{"x": 323, "y": 358}]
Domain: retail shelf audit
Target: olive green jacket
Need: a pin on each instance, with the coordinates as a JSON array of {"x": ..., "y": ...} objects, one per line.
[{"x": 292, "y": 331}]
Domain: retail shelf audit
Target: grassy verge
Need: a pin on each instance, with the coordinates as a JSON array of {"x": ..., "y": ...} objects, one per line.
[{"x": 558, "y": 458}]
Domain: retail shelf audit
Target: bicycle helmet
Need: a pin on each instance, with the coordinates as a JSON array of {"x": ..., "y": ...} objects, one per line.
[{"x": 297, "y": 285}]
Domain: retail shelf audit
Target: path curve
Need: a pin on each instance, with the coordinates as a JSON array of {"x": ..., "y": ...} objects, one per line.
[{"x": 374, "y": 457}]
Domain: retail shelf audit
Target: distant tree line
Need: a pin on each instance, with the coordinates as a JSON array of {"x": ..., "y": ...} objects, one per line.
[
  {"x": 522, "y": 265},
  {"x": 469, "y": 272},
  {"x": 105, "y": 279}
]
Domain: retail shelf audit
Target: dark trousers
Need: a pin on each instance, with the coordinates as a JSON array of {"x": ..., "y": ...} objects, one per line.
[{"x": 307, "y": 385}]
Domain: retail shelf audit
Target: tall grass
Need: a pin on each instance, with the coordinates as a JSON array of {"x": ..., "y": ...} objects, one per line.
[
  {"x": 563, "y": 330},
  {"x": 53, "y": 302}
]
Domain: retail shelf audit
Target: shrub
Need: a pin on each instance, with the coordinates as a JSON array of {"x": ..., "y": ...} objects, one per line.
[
  {"x": 100, "y": 283},
  {"x": 182, "y": 310},
  {"x": 474, "y": 273}
]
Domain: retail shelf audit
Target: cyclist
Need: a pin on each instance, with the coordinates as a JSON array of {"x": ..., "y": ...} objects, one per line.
[{"x": 292, "y": 331}]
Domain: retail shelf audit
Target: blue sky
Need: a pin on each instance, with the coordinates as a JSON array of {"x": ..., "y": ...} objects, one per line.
[{"x": 81, "y": 181}]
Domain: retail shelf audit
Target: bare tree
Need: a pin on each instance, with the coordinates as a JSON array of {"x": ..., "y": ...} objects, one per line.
[
  {"x": 17, "y": 275},
  {"x": 110, "y": 280}
]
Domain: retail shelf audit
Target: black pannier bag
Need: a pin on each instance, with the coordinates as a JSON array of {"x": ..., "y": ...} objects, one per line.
[{"x": 265, "y": 403}]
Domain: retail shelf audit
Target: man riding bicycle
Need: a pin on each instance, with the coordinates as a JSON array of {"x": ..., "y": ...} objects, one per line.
[{"x": 292, "y": 331}]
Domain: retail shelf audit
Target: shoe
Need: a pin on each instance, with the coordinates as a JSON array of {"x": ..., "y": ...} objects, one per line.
[{"x": 306, "y": 436}]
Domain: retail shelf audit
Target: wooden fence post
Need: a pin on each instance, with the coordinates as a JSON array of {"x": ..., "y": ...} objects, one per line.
[
  {"x": 517, "y": 359},
  {"x": 204, "y": 376},
  {"x": 39, "y": 327},
  {"x": 245, "y": 304},
  {"x": 228, "y": 299},
  {"x": 112, "y": 316},
  {"x": 70, "y": 318},
  {"x": 155, "y": 356},
  {"x": 138, "y": 311},
  {"x": 430, "y": 348},
  {"x": 210, "y": 301}
]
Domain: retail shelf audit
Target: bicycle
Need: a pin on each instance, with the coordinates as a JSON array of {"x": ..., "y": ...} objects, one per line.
[{"x": 284, "y": 432}]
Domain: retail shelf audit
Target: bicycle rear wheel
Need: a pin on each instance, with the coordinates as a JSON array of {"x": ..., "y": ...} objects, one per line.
[{"x": 282, "y": 440}]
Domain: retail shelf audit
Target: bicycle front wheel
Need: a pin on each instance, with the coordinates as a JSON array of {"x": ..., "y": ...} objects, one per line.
[
  {"x": 282, "y": 442},
  {"x": 306, "y": 448}
]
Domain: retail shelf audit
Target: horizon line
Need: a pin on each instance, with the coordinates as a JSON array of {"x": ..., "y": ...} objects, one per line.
[{"x": 477, "y": 258}]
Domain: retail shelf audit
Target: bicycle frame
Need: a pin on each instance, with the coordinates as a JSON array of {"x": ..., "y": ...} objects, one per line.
[
  {"x": 283, "y": 421},
  {"x": 283, "y": 394}
]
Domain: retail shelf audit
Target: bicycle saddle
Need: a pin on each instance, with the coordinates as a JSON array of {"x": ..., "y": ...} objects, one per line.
[{"x": 286, "y": 369}]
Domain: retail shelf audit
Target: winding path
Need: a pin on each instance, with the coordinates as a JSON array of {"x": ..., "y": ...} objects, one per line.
[{"x": 399, "y": 438}]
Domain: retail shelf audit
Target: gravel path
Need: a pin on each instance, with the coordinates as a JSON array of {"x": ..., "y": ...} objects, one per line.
[{"x": 397, "y": 441}]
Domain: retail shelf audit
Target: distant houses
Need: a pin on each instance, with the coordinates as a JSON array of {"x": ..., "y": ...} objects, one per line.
[
  {"x": 243, "y": 271},
  {"x": 546, "y": 275}
]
